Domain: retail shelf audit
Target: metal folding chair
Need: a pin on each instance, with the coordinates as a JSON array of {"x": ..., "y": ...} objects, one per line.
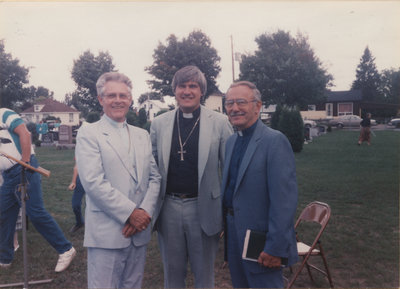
[{"x": 320, "y": 213}]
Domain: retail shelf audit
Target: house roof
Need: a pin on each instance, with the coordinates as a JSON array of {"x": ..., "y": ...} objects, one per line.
[
  {"x": 348, "y": 95},
  {"x": 51, "y": 105}
]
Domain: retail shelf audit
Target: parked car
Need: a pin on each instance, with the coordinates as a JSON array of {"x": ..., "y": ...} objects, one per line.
[
  {"x": 349, "y": 120},
  {"x": 394, "y": 122},
  {"x": 309, "y": 123}
]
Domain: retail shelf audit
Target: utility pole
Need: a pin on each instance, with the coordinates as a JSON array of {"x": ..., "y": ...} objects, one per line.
[{"x": 233, "y": 61}]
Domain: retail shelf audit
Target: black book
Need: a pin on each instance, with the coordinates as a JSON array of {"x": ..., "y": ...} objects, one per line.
[{"x": 254, "y": 244}]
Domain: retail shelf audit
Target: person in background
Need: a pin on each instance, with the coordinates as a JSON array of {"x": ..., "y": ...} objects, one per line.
[
  {"x": 77, "y": 196},
  {"x": 259, "y": 192},
  {"x": 19, "y": 146},
  {"x": 122, "y": 184},
  {"x": 189, "y": 145},
  {"x": 365, "y": 132}
]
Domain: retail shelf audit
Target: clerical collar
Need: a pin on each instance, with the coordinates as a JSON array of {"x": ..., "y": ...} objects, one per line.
[
  {"x": 195, "y": 113},
  {"x": 115, "y": 123},
  {"x": 248, "y": 131}
]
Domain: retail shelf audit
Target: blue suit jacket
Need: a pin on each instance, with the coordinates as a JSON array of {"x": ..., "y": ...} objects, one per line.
[{"x": 265, "y": 196}]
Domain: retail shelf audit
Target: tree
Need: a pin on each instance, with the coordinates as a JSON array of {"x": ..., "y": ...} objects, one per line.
[
  {"x": 367, "y": 77},
  {"x": 150, "y": 95},
  {"x": 13, "y": 77},
  {"x": 286, "y": 70},
  {"x": 85, "y": 72},
  {"x": 195, "y": 50},
  {"x": 390, "y": 86}
]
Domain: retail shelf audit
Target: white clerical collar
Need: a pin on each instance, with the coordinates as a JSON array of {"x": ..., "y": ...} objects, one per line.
[
  {"x": 240, "y": 133},
  {"x": 115, "y": 123},
  {"x": 187, "y": 115}
]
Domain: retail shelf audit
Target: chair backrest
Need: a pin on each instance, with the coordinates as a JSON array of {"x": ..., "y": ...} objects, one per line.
[{"x": 315, "y": 212}]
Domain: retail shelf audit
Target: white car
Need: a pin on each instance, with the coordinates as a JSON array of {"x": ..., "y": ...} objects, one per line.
[
  {"x": 394, "y": 122},
  {"x": 348, "y": 121}
]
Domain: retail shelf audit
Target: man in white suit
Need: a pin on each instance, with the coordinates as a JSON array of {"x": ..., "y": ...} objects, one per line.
[
  {"x": 189, "y": 146},
  {"x": 122, "y": 183}
]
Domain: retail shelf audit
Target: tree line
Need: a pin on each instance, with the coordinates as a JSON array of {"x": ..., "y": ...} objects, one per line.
[{"x": 284, "y": 68}]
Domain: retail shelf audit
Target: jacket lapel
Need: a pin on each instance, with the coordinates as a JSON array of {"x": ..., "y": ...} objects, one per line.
[
  {"x": 251, "y": 148},
  {"x": 205, "y": 137},
  {"x": 166, "y": 139},
  {"x": 113, "y": 139}
]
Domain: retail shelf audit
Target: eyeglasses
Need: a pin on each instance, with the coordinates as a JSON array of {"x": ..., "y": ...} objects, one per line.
[
  {"x": 122, "y": 96},
  {"x": 240, "y": 102}
]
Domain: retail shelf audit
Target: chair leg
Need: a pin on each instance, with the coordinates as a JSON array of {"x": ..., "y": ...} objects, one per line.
[
  {"x": 326, "y": 265},
  {"x": 309, "y": 272},
  {"x": 298, "y": 271}
]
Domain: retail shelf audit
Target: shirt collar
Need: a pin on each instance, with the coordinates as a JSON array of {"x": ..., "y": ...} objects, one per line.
[
  {"x": 114, "y": 123},
  {"x": 248, "y": 131}
]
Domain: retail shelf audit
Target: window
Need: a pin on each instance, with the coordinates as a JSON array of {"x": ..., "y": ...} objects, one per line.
[
  {"x": 311, "y": 107},
  {"x": 71, "y": 117},
  {"x": 329, "y": 109},
  {"x": 345, "y": 108}
]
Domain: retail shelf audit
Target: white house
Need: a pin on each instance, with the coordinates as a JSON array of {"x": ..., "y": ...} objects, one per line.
[
  {"x": 152, "y": 107},
  {"x": 214, "y": 101},
  {"x": 50, "y": 107}
]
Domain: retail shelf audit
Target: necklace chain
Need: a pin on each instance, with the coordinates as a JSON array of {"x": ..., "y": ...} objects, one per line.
[{"x": 181, "y": 152}]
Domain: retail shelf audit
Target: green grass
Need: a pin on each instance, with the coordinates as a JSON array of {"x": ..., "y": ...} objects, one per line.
[{"x": 361, "y": 184}]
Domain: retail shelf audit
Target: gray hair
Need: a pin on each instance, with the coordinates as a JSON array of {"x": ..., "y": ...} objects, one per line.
[
  {"x": 252, "y": 86},
  {"x": 112, "y": 76},
  {"x": 190, "y": 73}
]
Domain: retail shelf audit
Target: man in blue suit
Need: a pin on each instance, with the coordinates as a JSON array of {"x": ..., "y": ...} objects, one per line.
[
  {"x": 122, "y": 183},
  {"x": 259, "y": 192}
]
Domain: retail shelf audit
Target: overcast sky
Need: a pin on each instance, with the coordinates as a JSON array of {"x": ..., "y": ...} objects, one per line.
[{"x": 48, "y": 36}]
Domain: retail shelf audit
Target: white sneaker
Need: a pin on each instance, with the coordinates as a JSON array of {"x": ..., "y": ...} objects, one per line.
[
  {"x": 65, "y": 259},
  {"x": 2, "y": 265}
]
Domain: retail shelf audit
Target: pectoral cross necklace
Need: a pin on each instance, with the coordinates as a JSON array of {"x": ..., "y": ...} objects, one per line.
[{"x": 181, "y": 151}]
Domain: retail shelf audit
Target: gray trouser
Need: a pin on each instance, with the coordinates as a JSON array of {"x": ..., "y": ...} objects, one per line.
[
  {"x": 181, "y": 238},
  {"x": 116, "y": 268}
]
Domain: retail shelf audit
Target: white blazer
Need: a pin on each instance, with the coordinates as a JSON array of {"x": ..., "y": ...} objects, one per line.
[{"x": 107, "y": 178}]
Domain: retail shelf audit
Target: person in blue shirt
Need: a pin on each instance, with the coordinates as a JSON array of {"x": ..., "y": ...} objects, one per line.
[{"x": 16, "y": 142}]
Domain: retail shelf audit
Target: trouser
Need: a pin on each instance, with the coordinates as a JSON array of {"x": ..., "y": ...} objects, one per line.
[
  {"x": 77, "y": 202},
  {"x": 116, "y": 268},
  {"x": 181, "y": 239},
  {"x": 247, "y": 274},
  {"x": 10, "y": 203}
]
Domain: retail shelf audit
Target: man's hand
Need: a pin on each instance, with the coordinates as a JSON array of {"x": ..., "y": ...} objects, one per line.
[
  {"x": 269, "y": 261},
  {"x": 139, "y": 219},
  {"x": 71, "y": 186},
  {"x": 128, "y": 230}
]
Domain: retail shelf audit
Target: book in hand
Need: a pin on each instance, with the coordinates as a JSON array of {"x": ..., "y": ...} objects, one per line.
[{"x": 254, "y": 244}]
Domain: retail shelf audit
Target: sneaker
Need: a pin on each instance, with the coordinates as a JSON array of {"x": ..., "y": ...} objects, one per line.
[
  {"x": 75, "y": 228},
  {"x": 65, "y": 259},
  {"x": 3, "y": 265}
]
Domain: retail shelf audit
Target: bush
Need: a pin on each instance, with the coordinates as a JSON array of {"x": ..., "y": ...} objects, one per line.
[
  {"x": 93, "y": 116},
  {"x": 291, "y": 125}
]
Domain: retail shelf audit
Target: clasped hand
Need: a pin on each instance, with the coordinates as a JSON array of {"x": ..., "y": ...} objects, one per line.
[{"x": 137, "y": 222}]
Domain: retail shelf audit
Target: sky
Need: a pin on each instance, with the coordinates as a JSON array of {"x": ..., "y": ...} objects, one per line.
[{"x": 47, "y": 37}]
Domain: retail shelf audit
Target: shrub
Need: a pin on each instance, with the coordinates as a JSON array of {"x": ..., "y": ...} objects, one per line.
[
  {"x": 291, "y": 125},
  {"x": 93, "y": 116}
]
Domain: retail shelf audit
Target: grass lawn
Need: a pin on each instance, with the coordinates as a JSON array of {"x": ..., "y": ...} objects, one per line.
[{"x": 361, "y": 184}]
